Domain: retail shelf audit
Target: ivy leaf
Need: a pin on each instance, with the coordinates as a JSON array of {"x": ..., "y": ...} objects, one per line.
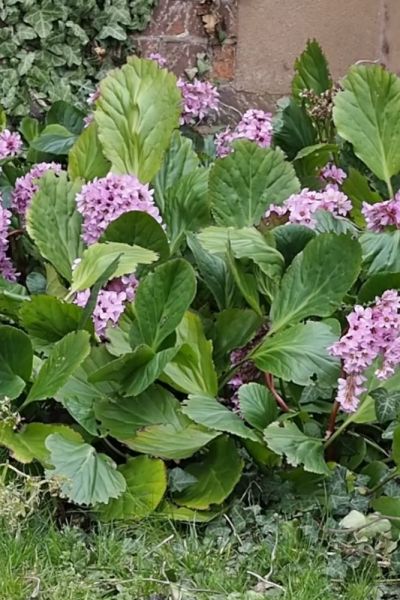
[
  {"x": 217, "y": 475},
  {"x": 28, "y": 444},
  {"x": 317, "y": 279},
  {"x": 136, "y": 115},
  {"x": 243, "y": 184},
  {"x": 54, "y": 223},
  {"x": 192, "y": 369},
  {"x": 86, "y": 476},
  {"x": 113, "y": 31},
  {"x": 86, "y": 159},
  {"x": 140, "y": 228},
  {"x": 387, "y": 404},
  {"x": 299, "y": 449},
  {"x": 207, "y": 411},
  {"x": 16, "y": 358},
  {"x": 312, "y": 71},
  {"x": 54, "y": 139},
  {"x": 299, "y": 354},
  {"x": 146, "y": 484},
  {"x": 98, "y": 257},
  {"x": 365, "y": 115},
  {"x": 179, "y": 161},
  {"x": 48, "y": 319},
  {"x": 41, "y": 21},
  {"x": 257, "y": 405},
  {"x": 63, "y": 360},
  {"x": 161, "y": 301}
]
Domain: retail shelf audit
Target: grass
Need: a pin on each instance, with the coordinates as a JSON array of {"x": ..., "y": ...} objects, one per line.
[{"x": 157, "y": 560}]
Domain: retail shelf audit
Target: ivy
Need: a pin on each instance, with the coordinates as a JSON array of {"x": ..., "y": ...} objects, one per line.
[{"x": 52, "y": 50}]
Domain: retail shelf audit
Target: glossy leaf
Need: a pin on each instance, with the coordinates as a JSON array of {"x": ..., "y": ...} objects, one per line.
[
  {"x": 136, "y": 114},
  {"x": 381, "y": 251},
  {"x": 54, "y": 223},
  {"x": 16, "y": 356},
  {"x": 86, "y": 159},
  {"x": 257, "y": 406},
  {"x": 311, "y": 71}
]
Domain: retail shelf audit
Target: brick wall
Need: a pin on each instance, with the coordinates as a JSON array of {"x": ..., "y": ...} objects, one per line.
[{"x": 252, "y": 44}]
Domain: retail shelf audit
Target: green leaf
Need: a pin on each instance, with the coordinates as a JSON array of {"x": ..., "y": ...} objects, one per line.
[
  {"x": 86, "y": 159},
  {"x": 146, "y": 483},
  {"x": 387, "y": 404},
  {"x": 381, "y": 251},
  {"x": 144, "y": 376},
  {"x": 67, "y": 115},
  {"x": 170, "y": 441},
  {"x": 122, "y": 419},
  {"x": 136, "y": 114},
  {"x": 63, "y": 360},
  {"x": 317, "y": 279},
  {"x": 234, "y": 328},
  {"x": 299, "y": 354},
  {"x": 257, "y": 405},
  {"x": 291, "y": 239},
  {"x": 192, "y": 369},
  {"x": 294, "y": 129},
  {"x": 217, "y": 475},
  {"x": 86, "y": 477},
  {"x": 243, "y": 184},
  {"x": 29, "y": 127},
  {"x": 16, "y": 358},
  {"x": 98, "y": 257},
  {"x": 207, "y": 411},
  {"x": 171, "y": 512},
  {"x": 310, "y": 160},
  {"x": 246, "y": 283},
  {"x": 356, "y": 187},
  {"x": 311, "y": 71},
  {"x": 299, "y": 449},
  {"x": 377, "y": 284},
  {"x": 388, "y": 507},
  {"x": 28, "y": 444},
  {"x": 187, "y": 207},
  {"x": 54, "y": 139},
  {"x": 180, "y": 160},
  {"x": 215, "y": 273},
  {"x": 161, "y": 301},
  {"x": 396, "y": 446},
  {"x": 54, "y": 223},
  {"x": 48, "y": 319},
  {"x": 138, "y": 228},
  {"x": 365, "y": 115},
  {"x": 12, "y": 296}
]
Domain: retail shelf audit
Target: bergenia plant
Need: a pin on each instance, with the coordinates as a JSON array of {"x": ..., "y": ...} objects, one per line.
[{"x": 166, "y": 321}]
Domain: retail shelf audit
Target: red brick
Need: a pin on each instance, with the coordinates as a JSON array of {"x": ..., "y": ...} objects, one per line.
[{"x": 223, "y": 62}]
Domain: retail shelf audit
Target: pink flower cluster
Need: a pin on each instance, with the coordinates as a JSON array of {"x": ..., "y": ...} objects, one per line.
[
  {"x": 255, "y": 125},
  {"x": 301, "y": 208},
  {"x": 6, "y": 267},
  {"x": 382, "y": 214},
  {"x": 103, "y": 200},
  {"x": 110, "y": 303},
  {"x": 27, "y": 186},
  {"x": 333, "y": 175},
  {"x": 159, "y": 59},
  {"x": 10, "y": 144},
  {"x": 373, "y": 332},
  {"x": 200, "y": 98}
]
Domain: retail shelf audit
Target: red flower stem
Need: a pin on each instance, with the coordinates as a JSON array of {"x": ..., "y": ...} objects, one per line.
[
  {"x": 16, "y": 232},
  {"x": 270, "y": 385},
  {"x": 332, "y": 420}
]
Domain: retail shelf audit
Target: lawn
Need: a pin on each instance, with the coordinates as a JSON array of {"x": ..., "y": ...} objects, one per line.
[{"x": 244, "y": 556}]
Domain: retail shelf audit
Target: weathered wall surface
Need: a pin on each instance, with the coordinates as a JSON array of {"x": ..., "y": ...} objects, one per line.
[{"x": 252, "y": 44}]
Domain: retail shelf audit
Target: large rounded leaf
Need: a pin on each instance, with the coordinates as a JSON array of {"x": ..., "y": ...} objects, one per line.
[
  {"x": 136, "y": 114},
  {"x": 217, "y": 475},
  {"x": 86, "y": 159},
  {"x": 85, "y": 476},
  {"x": 146, "y": 483},
  {"x": 16, "y": 356},
  {"x": 243, "y": 184},
  {"x": 367, "y": 113}
]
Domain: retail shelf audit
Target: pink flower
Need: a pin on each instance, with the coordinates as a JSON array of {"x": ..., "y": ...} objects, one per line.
[
  {"x": 333, "y": 175},
  {"x": 382, "y": 214},
  {"x": 103, "y": 200},
  {"x": 27, "y": 186},
  {"x": 373, "y": 332},
  {"x": 10, "y": 144},
  {"x": 200, "y": 98},
  {"x": 159, "y": 59},
  {"x": 6, "y": 267},
  {"x": 111, "y": 302},
  {"x": 93, "y": 97},
  {"x": 255, "y": 125}
]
